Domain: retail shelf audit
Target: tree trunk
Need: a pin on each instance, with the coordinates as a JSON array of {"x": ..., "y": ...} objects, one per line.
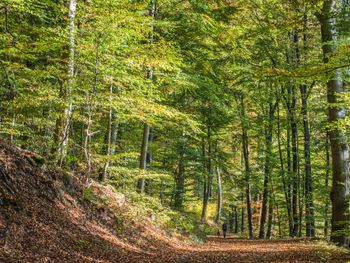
[
  {"x": 328, "y": 167},
  {"x": 283, "y": 174},
  {"x": 267, "y": 170},
  {"x": 231, "y": 220},
  {"x": 309, "y": 207},
  {"x": 236, "y": 220},
  {"x": 270, "y": 218},
  {"x": 146, "y": 131},
  {"x": 180, "y": 180},
  {"x": 143, "y": 157},
  {"x": 149, "y": 161},
  {"x": 273, "y": 202},
  {"x": 242, "y": 214},
  {"x": 208, "y": 176},
  {"x": 294, "y": 133},
  {"x": 338, "y": 138},
  {"x": 103, "y": 175},
  {"x": 245, "y": 144},
  {"x": 219, "y": 204},
  {"x": 205, "y": 201},
  {"x": 67, "y": 94},
  {"x": 114, "y": 135},
  {"x": 87, "y": 143}
]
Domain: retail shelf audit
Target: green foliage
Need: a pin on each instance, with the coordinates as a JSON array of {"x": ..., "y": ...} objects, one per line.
[
  {"x": 88, "y": 194},
  {"x": 185, "y": 223}
]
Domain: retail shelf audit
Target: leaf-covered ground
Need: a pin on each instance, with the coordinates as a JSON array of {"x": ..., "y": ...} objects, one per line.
[
  {"x": 240, "y": 250},
  {"x": 48, "y": 216}
]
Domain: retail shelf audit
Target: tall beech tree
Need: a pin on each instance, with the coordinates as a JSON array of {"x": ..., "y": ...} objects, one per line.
[{"x": 338, "y": 139}]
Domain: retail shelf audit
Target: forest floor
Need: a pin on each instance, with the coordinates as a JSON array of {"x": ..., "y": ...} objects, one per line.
[
  {"x": 47, "y": 215},
  {"x": 217, "y": 250}
]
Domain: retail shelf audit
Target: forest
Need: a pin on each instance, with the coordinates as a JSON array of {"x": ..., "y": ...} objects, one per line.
[{"x": 197, "y": 112}]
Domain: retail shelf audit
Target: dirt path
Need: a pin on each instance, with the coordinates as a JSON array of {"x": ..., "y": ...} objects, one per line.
[{"x": 255, "y": 251}]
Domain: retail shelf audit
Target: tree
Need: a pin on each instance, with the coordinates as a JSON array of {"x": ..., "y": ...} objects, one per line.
[{"x": 338, "y": 139}]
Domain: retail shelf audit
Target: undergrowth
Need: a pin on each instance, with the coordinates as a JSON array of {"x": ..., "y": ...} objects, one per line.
[{"x": 175, "y": 223}]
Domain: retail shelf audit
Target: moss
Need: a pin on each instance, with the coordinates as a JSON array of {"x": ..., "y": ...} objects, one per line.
[
  {"x": 82, "y": 243},
  {"x": 36, "y": 159},
  {"x": 88, "y": 194},
  {"x": 31, "y": 161},
  {"x": 120, "y": 227}
]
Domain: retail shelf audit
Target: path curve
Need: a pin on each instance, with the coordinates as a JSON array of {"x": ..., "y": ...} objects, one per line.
[{"x": 217, "y": 250}]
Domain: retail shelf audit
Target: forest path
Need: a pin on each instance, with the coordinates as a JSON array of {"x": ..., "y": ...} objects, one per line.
[{"x": 217, "y": 250}]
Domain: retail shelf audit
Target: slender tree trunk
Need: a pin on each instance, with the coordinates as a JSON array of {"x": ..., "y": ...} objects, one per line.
[
  {"x": 267, "y": 170},
  {"x": 245, "y": 144},
  {"x": 270, "y": 218},
  {"x": 236, "y": 220},
  {"x": 290, "y": 177},
  {"x": 219, "y": 204},
  {"x": 87, "y": 143},
  {"x": 12, "y": 137},
  {"x": 231, "y": 220},
  {"x": 338, "y": 138},
  {"x": 301, "y": 195},
  {"x": 114, "y": 135},
  {"x": 274, "y": 202},
  {"x": 300, "y": 183},
  {"x": 143, "y": 157},
  {"x": 180, "y": 180},
  {"x": 208, "y": 176},
  {"x": 294, "y": 133},
  {"x": 67, "y": 94},
  {"x": 242, "y": 214},
  {"x": 149, "y": 160},
  {"x": 328, "y": 168},
  {"x": 283, "y": 174},
  {"x": 146, "y": 130},
  {"x": 264, "y": 204},
  {"x": 205, "y": 201},
  {"x": 103, "y": 175},
  {"x": 309, "y": 207},
  {"x": 205, "y": 184}
]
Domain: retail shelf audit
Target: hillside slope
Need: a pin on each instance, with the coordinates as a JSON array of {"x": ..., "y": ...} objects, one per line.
[{"x": 46, "y": 216}]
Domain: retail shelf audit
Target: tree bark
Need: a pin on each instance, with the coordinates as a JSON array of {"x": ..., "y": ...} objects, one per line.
[
  {"x": 208, "y": 176},
  {"x": 146, "y": 131},
  {"x": 283, "y": 174},
  {"x": 180, "y": 180},
  {"x": 309, "y": 206},
  {"x": 143, "y": 157},
  {"x": 267, "y": 170},
  {"x": 338, "y": 138},
  {"x": 149, "y": 161},
  {"x": 219, "y": 204},
  {"x": 270, "y": 218},
  {"x": 294, "y": 133},
  {"x": 245, "y": 144},
  {"x": 67, "y": 94},
  {"x": 236, "y": 220},
  {"x": 103, "y": 176},
  {"x": 242, "y": 214},
  {"x": 328, "y": 167}
]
